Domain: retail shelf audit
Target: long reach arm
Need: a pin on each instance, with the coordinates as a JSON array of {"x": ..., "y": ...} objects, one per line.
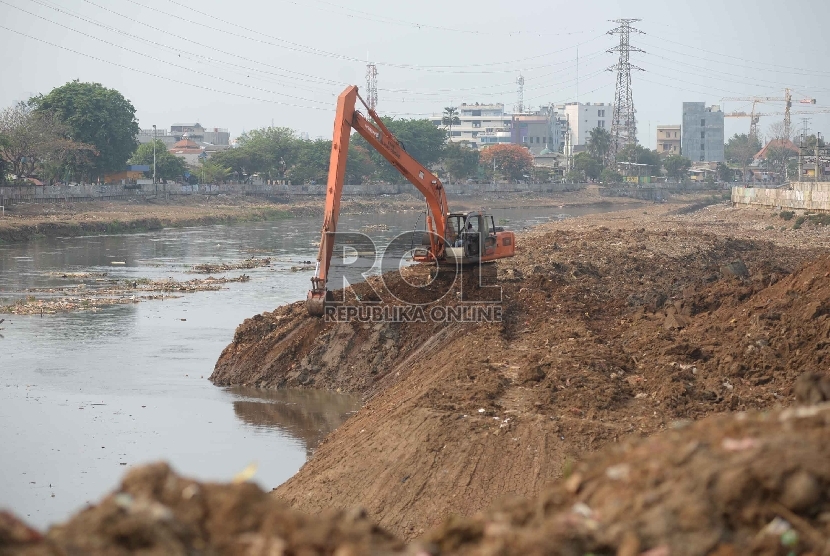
[{"x": 377, "y": 135}]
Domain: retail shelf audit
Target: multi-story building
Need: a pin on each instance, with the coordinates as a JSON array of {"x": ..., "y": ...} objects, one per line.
[
  {"x": 537, "y": 131},
  {"x": 583, "y": 118},
  {"x": 195, "y": 132},
  {"x": 668, "y": 140},
  {"x": 147, "y": 135},
  {"x": 477, "y": 119},
  {"x": 702, "y": 136}
]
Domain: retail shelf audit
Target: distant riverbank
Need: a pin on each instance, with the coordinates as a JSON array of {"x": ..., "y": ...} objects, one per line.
[{"x": 27, "y": 221}]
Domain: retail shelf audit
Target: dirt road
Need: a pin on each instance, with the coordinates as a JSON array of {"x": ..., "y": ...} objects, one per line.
[{"x": 614, "y": 326}]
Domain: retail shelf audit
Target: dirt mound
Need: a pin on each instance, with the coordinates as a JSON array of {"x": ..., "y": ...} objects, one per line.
[
  {"x": 604, "y": 334},
  {"x": 749, "y": 483},
  {"x": 728, "y": 485},
  {"x": 155, "y": 511}
]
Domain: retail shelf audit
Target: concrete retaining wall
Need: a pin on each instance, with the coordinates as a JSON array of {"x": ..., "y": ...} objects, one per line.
[
  {"x": 91, "y": 192},
  {"x": 797, "y": 196}
]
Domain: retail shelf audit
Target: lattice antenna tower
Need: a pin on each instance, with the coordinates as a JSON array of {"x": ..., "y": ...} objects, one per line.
[
  {"x": 624, "y": 122},
  {"x": 520, "y": 99},
  {"x": 372, "y": 85}
]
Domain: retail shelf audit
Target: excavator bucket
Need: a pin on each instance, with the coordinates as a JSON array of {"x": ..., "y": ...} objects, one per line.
[{"x": 315, "y": 303}]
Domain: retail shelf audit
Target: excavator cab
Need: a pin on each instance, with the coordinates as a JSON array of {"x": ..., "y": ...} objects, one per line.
[{"x": 473, "y": 237}]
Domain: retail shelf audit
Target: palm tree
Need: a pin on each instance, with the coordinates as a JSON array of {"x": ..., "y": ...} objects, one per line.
[
  {"x": 450, "y": 119},
  {"x": 599, "y": 144}
]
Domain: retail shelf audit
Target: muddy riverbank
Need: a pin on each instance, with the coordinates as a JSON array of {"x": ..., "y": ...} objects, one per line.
[
  {"x": 23, "y": 222},
  {"x": 614, "y": 326},
  {"x": 729, "y": 485}
]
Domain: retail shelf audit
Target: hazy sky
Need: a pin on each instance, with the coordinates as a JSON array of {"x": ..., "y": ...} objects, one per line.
[{"x": 242, "y": 64}]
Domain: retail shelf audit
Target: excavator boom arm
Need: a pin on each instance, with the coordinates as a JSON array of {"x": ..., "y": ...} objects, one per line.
[{"x": 382, "y": 140}]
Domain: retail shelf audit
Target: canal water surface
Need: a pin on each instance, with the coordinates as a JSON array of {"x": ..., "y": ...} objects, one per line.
[{"x": 85, "y": 396}]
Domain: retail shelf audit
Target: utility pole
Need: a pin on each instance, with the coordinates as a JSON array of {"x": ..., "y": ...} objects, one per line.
[
  {"x": 494, "y": 172},
  {"x": 624, "y": 123},
  {"x": 805, "y": 122},
  {"x": 818, "y": 140},
  {"x": 154, "y": 160},
  {"x": 520, "y": 100},
  {"x": 372, "y": 85}
]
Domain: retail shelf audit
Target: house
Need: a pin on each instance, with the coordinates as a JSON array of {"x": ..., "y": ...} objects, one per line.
[
  {"x": 188, "y": 150},
  {"x": 668, "y": 139}
]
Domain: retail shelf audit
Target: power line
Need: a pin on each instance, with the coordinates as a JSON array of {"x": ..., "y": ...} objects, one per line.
[
  {"x": 368, "y": 16},
  {"x": 195, "y": 56},
  {"x": 178, "y": 66},
  {"x": 187, "y": 40},
  {"x": 763, "y": 66},
  {"x": 316, "y": 51},
  {"x": 172, "y": 80}
]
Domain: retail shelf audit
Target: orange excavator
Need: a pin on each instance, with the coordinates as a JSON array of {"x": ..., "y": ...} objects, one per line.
[{"x": 453, "y": 237}]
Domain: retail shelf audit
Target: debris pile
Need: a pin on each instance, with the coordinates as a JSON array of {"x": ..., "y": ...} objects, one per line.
[
  {"x": 605, "y": 333},
  {"x": 247, "y": 264},
  {"x": 733, "y": 484}
]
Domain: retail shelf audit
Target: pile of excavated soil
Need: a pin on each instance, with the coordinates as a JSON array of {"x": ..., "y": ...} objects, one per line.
[
  {"x": 734, "y": 484},
  {"x": 155, "y": 511},
  {"x": 729, "y": 485},
  {"x": 609, "y": 329}
]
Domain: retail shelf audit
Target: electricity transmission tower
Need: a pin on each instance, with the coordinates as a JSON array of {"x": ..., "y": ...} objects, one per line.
[
  {"x": 372, "y": 85},
  {"x": 624, "y": 123},
  {"x": 520, "y": 101}
]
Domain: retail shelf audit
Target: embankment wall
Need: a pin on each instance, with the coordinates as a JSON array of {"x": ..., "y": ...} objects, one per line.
[
  {"x": 813, "y": 196},
  {"x": 89, "y": 192}
]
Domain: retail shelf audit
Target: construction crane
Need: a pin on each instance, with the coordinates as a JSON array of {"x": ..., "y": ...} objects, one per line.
[
  {"x": 457, "y": 238},
  {"x": 787, "y": 98},
  {"x": 756, "y": 116}
]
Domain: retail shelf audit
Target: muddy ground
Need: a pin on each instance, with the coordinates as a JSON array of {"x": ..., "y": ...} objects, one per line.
[
  {"x": 614, "y": 327},
  {"x": 733, "y": 484},
  {"x": 567, "y": 428}
]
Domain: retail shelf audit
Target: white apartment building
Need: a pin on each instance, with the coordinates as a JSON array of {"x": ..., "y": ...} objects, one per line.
[
  {"x": 479, "y": 119},
  {"x": 582, "y": 118}
]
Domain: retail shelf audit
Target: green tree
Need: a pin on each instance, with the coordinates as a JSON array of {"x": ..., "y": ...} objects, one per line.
[
  {"x": 264, "y": 151},
  {"x": 739, "y": 150},
  {"x": 776, "y": 158},
  {"x": 450, "y": 119},
  {"x": 512, "y": 161},
  {"x": 609, "y": 176},
  {"x": 599, "y": 144},
  {"x": 359, "y": 167},
  {"x": 420, "y": 138},
  {"x": 237, "y": 159},
  {"x": 587, "y": 167},
  {"x": 460, "y": 160},
  {"x": 810, "y": 141},
  {"x": 676, "y": 166},
  {"x": 634, "y": 156},
  {"x": 96, "y": 116},
  {"x": 4, "y": 165},
  {"x": 727, "y": 174},
  {"x": 168, "y": 165},
  {"x": 35, "y": 144},
  {"x": 209, "y": 171},
  {"x": 310, "y": 162}
]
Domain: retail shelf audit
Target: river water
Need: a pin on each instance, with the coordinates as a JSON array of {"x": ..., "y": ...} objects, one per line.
[{"x": 85, "y": 396}]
